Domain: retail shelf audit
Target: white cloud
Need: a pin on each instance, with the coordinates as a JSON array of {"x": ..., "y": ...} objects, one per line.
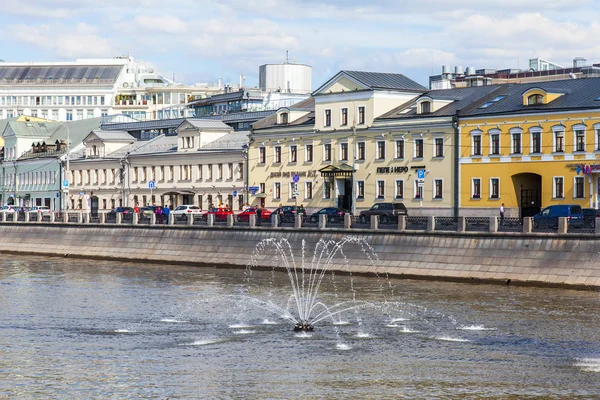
[
  {"x": 159, "y": 24},
  {"x": 65, "y": 42}
]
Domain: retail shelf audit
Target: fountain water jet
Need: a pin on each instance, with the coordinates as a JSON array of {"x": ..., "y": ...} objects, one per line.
[{"x": 306, "y": 277}]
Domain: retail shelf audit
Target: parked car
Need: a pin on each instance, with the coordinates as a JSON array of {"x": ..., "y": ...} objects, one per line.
[
  {"x": 387, "y": 212},
  {"x": 333, "y": 214},
  {"x": 589, "y": 216},
  {"x": 7, "y": 209},
  {"x": 244, "y": 216},
  {"x": 548, "y": 217},
  {"x": 220, "y": 213},
  {"x": 40, "y": 209},
  {"x": 181, "y": 212},
  {"x": 127, "y": 213},
  {"x": 287, "y": 213}
]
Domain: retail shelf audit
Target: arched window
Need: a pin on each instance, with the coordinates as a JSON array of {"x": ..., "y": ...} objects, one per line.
[
  {"x": 284, "y": 118},
  {"x": 535, "y": 99},
  {"x": 425, "y": 107}
]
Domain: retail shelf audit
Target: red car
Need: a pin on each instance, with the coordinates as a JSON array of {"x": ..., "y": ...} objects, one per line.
[
  {"x": 220, "y": 213},
  {"x": 244, "y": 216}
]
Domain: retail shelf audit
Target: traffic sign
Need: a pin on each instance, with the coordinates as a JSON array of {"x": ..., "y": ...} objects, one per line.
[
  {"x": 66, "y": 183},
  {"x": 295, "y": 178},
  {"x": 421, "y": 174},
  {"x": 420, "y": 183},
  {"x": 254, "y": 189},
  {"x": 151, "y": 185},
  {"x": 295, "y": 194},
  {"x": 235, "y": 193}
]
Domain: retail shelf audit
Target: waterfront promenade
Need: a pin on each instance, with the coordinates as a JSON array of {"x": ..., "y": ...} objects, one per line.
[{"x": 515, "y": 258}]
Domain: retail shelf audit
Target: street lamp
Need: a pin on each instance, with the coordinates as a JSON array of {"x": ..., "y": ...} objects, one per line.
[{"x": 65, "y": 188}]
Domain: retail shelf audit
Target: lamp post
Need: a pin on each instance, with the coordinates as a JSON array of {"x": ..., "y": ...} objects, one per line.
[{"x": 65, "y": 188}]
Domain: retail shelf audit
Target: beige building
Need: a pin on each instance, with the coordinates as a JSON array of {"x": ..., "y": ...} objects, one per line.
[{"x": 331, "y": 144}]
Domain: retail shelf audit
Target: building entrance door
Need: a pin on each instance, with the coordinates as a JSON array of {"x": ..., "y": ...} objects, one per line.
[
  {"x": 345, "y": 196},
  {"x": 530, "y": 202}
]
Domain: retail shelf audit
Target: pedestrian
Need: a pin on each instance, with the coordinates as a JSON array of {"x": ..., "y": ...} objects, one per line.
[
  {"x": 301, "y": 210},
  {"x": 166, "y": 211},
  {"x": 502, "y": 214},
  {"x": 159, "y": 215},
  {"x": 136, "y": 209},
  {"x": 258, "y": 215}
]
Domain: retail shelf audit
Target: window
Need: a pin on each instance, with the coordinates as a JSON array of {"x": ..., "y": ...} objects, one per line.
[
  {"x": 418, "y": 190},
  {"x": 559, "y": 141},
  {"x": 558, "y": 187},
  {"x": 578, "y": 193},
  {"x": 516, "y": 143},
  {"x": 293, "y": 153},
  {"x": 597, "y": 139},
  {"x": 344, "y": 117},
  {"x": 262, "y": 187},
  {"x": 327, "y": 152},
  {"x": 476, "y": 140},
  {"x": 360, "y": 189},
  {"x": 210, "y": 171},
  {"x": 399, "y": 189},
  {"x": 400, "y": 148},
  {"x": 344, "y": 151},
  {"x": 277, "y": 190},
  {"x": 361, "y": 115},
  {"x": 438, "y": 189},
  {"x": 327, "y": 117},
  {"x": 360, "y": 150},
  {"x": 380, "y": 150},
  {"x": 327, "y": 189},
  {"x": 425, "y": 107},
  {"x": 476, "y": 188},
  {"x": 494, "y": 188},
  {"x": 308, "y": 190},
  {"x": 579, "y": 140},
  {"x": 438, "y": 147},
  {"x": 309, "y": 153},
  {"x": 262, "y": 155},
  {"x": 199, "y": 172},
  {"x": 284, "y": 118},
  {"x": 536, "y": 141},
  {"x": 240, "y": 171},
  {"x": 220, "y": 171},
  {"x": 135, "y": 174},
  {"x": 380, "y": 189},
  {"x": 535, "y": 99},
  {"x": 277, "y": 155},
  {"x": 418, "y": 148},
  {"x": 292, "y": 188}
]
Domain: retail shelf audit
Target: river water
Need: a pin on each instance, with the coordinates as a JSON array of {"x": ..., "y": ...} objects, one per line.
[{"x": 76, "y": 329}]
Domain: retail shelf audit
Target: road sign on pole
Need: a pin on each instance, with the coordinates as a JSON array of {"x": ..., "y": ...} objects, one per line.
[
  {"x": 295, "y": 178},
  {"x": 151, "y": 185},
  {"x": 421, "y": 174},
  {"x": 235, "y": 193}
]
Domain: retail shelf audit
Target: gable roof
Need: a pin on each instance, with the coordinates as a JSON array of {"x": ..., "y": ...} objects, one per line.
[
  {"x": 307, "y": 105},
  {"x": 118, "y": 136},
  {"x": 206, "y": 124},
  {"x": 377, "y": 80}
]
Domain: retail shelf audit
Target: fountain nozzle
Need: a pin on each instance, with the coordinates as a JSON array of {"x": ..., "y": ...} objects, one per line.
[{"x": 303, "y": 326}]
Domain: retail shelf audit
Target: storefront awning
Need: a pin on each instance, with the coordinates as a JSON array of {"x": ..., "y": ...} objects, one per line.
[
  {"x": 342, "y": 170},
  {"x": 181, "y": 192},
  {"x": 260, "y": 195}
]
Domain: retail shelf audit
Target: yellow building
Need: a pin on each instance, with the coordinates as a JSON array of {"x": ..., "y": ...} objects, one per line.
[
  {"x": 529, "y": 146},
  {"x": 331, "y": 144}
]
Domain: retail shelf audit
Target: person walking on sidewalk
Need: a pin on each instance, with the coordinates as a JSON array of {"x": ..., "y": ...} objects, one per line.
[{"x": 502, "y": 214}]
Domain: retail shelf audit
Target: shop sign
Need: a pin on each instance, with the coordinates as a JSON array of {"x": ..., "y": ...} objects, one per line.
[
  {"x": 586, "y": 169},
  {"x": 289, "y": 174},
  {"x": 392, "y": 170}
]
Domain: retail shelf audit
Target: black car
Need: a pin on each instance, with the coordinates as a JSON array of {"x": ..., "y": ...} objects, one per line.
[
  {"x": 126, "y": 211},
  {"x": 333, "y": 214},
  {"x": 589, "y": 216},
  {"x": 288, "y": 213},
  {"x": 387, "y": 212}
]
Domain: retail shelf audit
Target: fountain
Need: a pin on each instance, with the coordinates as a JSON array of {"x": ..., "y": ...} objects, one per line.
[{"x": 305, "y": 277}]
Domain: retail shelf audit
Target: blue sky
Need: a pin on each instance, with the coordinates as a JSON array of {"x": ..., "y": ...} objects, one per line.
[{"x": 200, "y": 41}]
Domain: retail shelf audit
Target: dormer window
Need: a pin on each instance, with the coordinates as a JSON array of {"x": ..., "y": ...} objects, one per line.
[
  {"x": 425, "y": 107},
  {"x": 535, "y": 99},
  {"x": 284, "y": 118}
]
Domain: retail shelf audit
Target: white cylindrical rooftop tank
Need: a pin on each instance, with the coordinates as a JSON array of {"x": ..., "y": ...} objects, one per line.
[
  {"x": 445, "y": 69},
  {"x": 470, "y": 71},
  {"x": 579, "y": 62},
  {"x": 458, "y": 70},
  {"x": 286, "y": 78}
]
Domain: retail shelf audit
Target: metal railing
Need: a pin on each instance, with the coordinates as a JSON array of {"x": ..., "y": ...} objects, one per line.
[{"x": 415, "y": 224}]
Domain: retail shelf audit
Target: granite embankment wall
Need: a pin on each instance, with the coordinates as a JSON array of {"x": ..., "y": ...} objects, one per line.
[{"x": 532, "y": 259}]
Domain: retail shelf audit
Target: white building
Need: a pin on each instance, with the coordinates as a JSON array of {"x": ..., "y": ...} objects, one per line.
[
  {"x": 203, "y": 164},
  {"x": 91, "y": 88}
]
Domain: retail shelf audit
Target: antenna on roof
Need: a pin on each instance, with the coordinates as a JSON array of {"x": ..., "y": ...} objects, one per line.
[{"x": 287, "y": 57}]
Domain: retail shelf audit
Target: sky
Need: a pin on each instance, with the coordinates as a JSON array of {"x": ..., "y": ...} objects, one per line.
[{"x": 201, "y": 41}]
